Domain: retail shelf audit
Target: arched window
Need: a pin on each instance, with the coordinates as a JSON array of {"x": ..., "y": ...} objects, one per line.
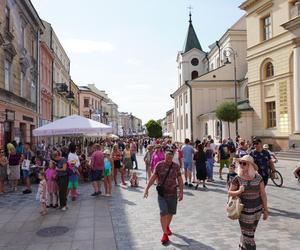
[
  {"x": 206, "y": 128},
  {"x": 194, "y": 74},
  {"x": 218, "y": 128},
  {"x": 269, "y": 70}
]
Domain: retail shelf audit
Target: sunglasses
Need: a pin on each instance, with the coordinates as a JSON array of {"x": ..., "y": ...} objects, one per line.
[{"x": 243, "y": 163}]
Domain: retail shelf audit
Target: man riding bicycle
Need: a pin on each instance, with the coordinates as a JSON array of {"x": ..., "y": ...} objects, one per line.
[{"x": 263, "y": 160}]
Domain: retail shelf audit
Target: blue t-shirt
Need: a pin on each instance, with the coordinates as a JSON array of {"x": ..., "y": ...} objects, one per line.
[
  {"x": 107, "y": 164},
  {"x": 261, "y": 159},
  {"x": 187, "y": 151}
]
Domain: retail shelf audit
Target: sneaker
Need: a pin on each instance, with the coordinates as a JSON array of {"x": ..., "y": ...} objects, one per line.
[
  {"x": 94, "y": 194},
  {"x": 169, "y": 232},
  {"x": 64, "y": 209},
  {"x": 186, "y": 183},
  {"x": 98, "y": 193},
  {"x": 164, "y": 239},
  {"x": 191, "y": 185},
  {"x": 27, "y": 191}
]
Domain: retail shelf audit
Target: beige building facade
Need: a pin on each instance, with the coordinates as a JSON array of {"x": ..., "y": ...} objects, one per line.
[{"x": 273, "y": 57}]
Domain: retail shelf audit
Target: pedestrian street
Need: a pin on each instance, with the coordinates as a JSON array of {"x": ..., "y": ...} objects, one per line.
[{"x": 127, "y": 221}]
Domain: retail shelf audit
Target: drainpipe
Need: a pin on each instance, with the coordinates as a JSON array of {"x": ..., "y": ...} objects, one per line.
[
  {"x": 191, "y": 108},
  {"x": 52, "y": 75},
  {"x": 38, "y": 84},
  {"x": 218, "y": 45}
]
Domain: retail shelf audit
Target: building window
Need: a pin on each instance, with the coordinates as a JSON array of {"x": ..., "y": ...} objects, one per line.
[
  {"x": 7, "y": 18},
  {"x": 22, "y": 84},
  {"x": 7, "y": 74},
  {"x": 195, "y": 62},
  {"x": 218, "y": 128},
  {"x": 181, "y": 122},
  {"x": 267, "y": 27},
  {"x": 186, "y": 121},
  {"x": 206, "y": 128},
  {"x": 185, "y": 98},
  {"x": 269, "y": 70},
  {"x": 33, "y": 92},
  {"x": 194, "y": 74},
  {"x": 271, "y": 114},
  {"x": 86, "y": 102},
  {"x": 23, "y": 36}
]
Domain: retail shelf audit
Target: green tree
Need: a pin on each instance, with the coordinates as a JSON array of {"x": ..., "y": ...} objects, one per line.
[
  {"x": 154, "y": 129},
  {"x": 228, "y": 112}
]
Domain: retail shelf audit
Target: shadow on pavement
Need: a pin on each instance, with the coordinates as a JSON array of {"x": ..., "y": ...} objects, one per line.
[
  {"x": 188, "y": 193},
  {"x": 189, "y": 243},
  {"x": 127, "y": 202},
  {"x": 217, "y": 190},
  {"x": 283, "y": 213}
]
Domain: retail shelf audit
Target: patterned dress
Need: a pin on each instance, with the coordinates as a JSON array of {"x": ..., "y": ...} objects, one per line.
[{"x": 252, "y": 210}]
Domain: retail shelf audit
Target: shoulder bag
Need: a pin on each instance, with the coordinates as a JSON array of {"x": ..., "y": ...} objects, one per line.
[
  {"x": 160, "y": 186},
  {"x": 234, "y": 208}
]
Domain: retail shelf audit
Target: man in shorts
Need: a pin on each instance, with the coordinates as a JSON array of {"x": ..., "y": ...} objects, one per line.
[
  {"x": 97, "y": 168},
  {"x": 188, "y": 153},
  {"x": 223, "y": 156},
  {"x": 168, "y": 175}
]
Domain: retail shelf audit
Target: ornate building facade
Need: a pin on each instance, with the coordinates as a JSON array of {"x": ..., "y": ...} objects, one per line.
[{"x": 20, "y": 31}]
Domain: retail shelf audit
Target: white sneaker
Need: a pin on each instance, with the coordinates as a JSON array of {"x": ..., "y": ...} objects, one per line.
[{"x": 64, "y": 209}]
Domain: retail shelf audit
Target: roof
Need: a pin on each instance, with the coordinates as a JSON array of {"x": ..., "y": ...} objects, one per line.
[{"x": 191, "y": 40}]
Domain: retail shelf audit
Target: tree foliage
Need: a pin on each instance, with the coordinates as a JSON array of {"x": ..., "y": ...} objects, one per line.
[
  {"x": 154, "y": 129},
  {"x": 228, "y": 112}
]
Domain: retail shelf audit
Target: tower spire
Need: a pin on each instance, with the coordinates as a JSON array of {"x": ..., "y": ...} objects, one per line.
[{"x": 190, "y": 14}]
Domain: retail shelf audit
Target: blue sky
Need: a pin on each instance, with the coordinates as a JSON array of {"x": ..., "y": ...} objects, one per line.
[{"x": 128, "y": 47}]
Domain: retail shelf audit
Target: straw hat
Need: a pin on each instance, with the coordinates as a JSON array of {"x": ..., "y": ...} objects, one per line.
[{"x": 249, "y": 159}]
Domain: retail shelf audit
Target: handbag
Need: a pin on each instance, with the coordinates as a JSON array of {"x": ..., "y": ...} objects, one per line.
[
  {"x": 234, "y": 208},
  {"x": 160, "y": 186}
]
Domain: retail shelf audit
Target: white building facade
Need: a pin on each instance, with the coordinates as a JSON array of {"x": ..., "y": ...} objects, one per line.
[{"x": 205, "y": 82}]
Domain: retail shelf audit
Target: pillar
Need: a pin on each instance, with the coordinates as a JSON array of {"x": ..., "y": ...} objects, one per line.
[{"x": 297, "y": 88}]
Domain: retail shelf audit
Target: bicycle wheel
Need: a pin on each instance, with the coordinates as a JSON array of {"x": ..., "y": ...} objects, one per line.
[{"x": 277, "y": 180}]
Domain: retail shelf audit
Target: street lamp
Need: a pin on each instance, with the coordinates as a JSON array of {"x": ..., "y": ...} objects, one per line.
[{"x": 227, "y": 53}]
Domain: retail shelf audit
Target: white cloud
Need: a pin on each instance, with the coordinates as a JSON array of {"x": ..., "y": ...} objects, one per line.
[
  {"x": 87, "y": 46},
  {"x": 133, "y": 61}
]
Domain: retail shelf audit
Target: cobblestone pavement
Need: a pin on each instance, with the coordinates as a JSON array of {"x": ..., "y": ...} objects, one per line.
[
  {"x": 201, "y": 221},
  {"x": 127, "y": 221}
]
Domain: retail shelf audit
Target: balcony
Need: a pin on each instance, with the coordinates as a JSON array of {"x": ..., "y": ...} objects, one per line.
[
  {"x": 295, "y": 10},
  {"x": 62, "y": 88}
]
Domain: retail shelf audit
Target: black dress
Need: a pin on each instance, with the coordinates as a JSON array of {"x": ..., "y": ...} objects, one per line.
[{"x": 201, "y": 170}]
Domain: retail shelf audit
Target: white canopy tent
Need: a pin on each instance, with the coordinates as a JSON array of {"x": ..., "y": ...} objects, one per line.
[{"x": 73, "y": 125}]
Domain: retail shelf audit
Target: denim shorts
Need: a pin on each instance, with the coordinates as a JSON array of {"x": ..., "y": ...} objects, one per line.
[
  {"x": 26, "y": 174},
  {"x": 188, "y": 166},
  {"x": 167, "y": 205}
]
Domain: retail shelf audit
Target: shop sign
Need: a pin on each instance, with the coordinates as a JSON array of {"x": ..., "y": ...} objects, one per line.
[{"x": 27, "y": 118}]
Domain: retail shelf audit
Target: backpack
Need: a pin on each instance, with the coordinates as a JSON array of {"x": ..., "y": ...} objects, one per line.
[{"x": 231, "y": 147}]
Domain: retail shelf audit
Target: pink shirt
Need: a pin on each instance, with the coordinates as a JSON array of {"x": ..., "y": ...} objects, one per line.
[
  {"x": 156, "y": 158},
  {"x": 97, "y": 160},
  {"x": 50, "y": 174}
]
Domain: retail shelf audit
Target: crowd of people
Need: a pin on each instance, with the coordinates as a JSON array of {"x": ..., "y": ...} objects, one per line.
[{"x": 58, "y": 170}]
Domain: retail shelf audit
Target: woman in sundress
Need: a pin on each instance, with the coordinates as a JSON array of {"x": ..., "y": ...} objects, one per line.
[{"x": 248, "y": 185}]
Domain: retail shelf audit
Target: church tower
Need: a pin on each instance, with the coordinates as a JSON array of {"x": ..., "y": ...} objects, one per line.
[{"x": 191, "y": 60}]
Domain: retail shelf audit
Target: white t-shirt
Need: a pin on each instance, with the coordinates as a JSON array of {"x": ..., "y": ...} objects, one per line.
[{"x": 74, "y": 157}]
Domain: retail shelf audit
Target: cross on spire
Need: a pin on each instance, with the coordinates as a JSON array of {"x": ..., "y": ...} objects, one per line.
[{"x": 190, "y": 9}]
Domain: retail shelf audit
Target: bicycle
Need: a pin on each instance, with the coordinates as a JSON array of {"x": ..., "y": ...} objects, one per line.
[{"x": 276, "y": 177}]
